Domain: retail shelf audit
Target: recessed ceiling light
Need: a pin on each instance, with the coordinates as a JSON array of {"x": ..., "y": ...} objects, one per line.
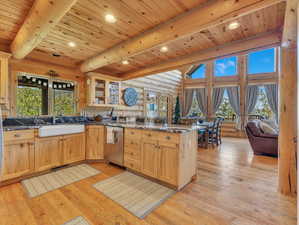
[
  {"x": 72, "y": 44},
  {"x": 125, "y": 62},
  {"x": 110, "y": 18},
  {"x": 164, "y": 49},
  {"x": 233, "y": 25}
]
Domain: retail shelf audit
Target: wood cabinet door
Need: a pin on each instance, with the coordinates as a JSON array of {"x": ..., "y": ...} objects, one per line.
[
  {"x": 149, "y": 158},
  {"x": 168, "y": 164},
  {"x": 73, "y": 149},
  {"x": 48, "y": 153},
  {"x": 95, "y": 142},
  {"x": 4, "y": 82},
  {"x": 17, "y": 160}
]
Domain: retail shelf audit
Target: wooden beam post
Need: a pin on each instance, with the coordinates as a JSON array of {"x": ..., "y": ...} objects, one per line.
[
  {"x": 209, "y": 77},
  {"x": 287, "y": 162},
  {"x": 42, "y": 17},
  {"x": 233, "y": 48},
  {"x": 243, "y": 87},
  {"x": 202, "y": 17}
]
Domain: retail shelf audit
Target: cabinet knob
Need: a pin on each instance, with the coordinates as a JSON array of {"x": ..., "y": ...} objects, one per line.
[
  {"x": 168, "y": 137},
  {"x": 17, "y": 135},
  {"x": 149, "y": 135}
]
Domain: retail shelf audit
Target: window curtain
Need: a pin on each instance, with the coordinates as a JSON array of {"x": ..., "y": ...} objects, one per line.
[
  {"x": 234, "y": 100},
  {"x": 201, "y": 98},
  {"x": 272, "y": 97},
  {"x": 188, "y": 97},
  {"x": 217, "y": 98},
  {"x": 251, "y": 99}
]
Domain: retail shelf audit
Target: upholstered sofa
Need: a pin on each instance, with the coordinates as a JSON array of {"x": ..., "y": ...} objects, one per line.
[{"x": 261, "y": 143}]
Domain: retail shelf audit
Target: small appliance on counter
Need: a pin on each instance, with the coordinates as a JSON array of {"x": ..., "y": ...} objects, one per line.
[{"x": 98, "y": 118}]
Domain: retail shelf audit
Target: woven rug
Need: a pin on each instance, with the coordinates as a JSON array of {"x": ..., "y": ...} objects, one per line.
[
  {"x": 42, "y": 184},
  {"x": 77, "y": 221},
  {"x": 136, "y": 194}
]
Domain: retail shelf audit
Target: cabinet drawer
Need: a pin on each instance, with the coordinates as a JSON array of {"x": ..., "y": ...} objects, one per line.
[
  {"x": 132, "y": 143},
  {"x": 161, "y": 136},
  {"x": 150, "y": 135},
  {"x": 132, "y": 134},
  {"x": 132, "y": 153},
  {"x": 168, "y": 137},
  {"x": 18, "y": 135},
  {"x": 132, "y": 164}
]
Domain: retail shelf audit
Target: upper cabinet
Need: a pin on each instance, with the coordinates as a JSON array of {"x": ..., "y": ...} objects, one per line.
[
  {"x": 103, "y": 91},
  {"x": 4, "y": 79}
]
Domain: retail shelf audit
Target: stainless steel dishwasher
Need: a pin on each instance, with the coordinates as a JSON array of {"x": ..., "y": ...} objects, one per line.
[{"x": 114, "y": 149}]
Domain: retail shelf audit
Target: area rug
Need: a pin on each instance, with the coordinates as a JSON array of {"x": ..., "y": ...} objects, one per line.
[
  {"x": 138, "y": 195},
  {"x": 42, "y": 184},
  {"x": 77, "y": 221}
]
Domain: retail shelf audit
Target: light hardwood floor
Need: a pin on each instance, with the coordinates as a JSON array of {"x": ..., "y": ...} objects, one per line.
[{"x": 233, "y": 187}]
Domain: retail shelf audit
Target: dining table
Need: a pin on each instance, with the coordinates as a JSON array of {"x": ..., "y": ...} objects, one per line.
[{"x": 203, "y": 132}]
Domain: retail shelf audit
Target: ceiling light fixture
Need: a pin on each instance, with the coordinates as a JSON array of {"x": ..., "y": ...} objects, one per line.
[
  {"x": 233, "y": 25},
  {"x": 125, "y": 62},
  {"x": 110, "y": 18},
  {"x": 72, "y": 44},
  {"x": 164, "y": 49}
]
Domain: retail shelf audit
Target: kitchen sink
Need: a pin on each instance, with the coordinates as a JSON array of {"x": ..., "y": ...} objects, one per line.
[{"x": 55, "y": 130}]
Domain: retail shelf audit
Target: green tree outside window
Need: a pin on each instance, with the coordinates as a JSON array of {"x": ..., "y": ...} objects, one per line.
[{"x": 29, "y": 101}]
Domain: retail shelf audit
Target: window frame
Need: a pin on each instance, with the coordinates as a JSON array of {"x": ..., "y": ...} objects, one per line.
[
  {"x": 265, "y": 73},
  {"x": 228, "y": 76},
  {"x": 50, "y": 92},
  {"x": 193, "y": 69},
  {"x": 225, "y": 119}
]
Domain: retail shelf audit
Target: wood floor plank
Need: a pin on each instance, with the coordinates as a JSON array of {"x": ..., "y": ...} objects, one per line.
[{"x": 233, "y": 187}]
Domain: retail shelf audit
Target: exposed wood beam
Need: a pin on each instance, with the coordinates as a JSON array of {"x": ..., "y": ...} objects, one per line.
[
  {"x": 287, "y": 141},
  {"x": 42, "y": 17},
  {"x": 202, "y": 17},
  {"x": 237, "y": 47},
  {"x": 42, "y": 68}
]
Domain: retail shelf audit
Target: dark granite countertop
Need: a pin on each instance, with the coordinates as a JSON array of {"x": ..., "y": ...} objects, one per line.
[
  {"x": 156, "y": 127},
  {"x": 173, "y": 128}
]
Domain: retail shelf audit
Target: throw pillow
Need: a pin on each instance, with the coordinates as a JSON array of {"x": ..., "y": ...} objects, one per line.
[{"x": 267, "y": 129}]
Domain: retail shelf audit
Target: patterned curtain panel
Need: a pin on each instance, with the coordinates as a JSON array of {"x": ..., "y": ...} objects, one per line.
[
  {"x": 272, "y": 96},
  {"x": 234, "y": 100},
  {"x": 251, "y": 99},
  {"x": 188, "y": 97},
  {"x": 201, "y": 98},
  {"x": 217, "y": 98}
]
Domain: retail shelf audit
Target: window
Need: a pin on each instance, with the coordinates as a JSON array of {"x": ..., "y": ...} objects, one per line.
[
  {"x": 225, "y": 110},
  {"x": 64, "y": 100},
  {"x": 198, "y": 72},
  {"x": 225, "y": 67},
  {"x": 262, "y": 107},
  {"x": 261, "y": 61},
  {"x": 33, "y": 96},
  {"x": 163, "y": 106},
  {"x": 194, "y": 110}
]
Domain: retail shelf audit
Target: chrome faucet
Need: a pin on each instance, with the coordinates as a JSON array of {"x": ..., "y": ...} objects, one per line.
[{"x": 53, "y": 119}]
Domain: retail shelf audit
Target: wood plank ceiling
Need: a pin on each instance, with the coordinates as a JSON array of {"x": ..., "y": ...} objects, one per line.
[
  {"x": 12, "y": 15},
  {"x": 85, "y": 25}
]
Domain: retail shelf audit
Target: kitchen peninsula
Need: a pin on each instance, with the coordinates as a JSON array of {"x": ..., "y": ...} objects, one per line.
[{"x": 166, "y": 154}]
